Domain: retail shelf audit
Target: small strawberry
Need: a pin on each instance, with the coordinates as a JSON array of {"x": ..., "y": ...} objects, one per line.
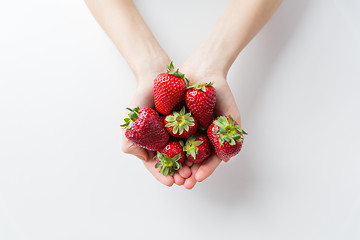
[
  {"x": 200, "y": 100},
  {"x": 145, "y": 128},
  {"x": 170, "y": 158},
  {"x": 226, "y": 136},
  {"x": 197, "y": 148},
  {"x": 169, "y": 89},
  {"x": 181, "y": 124}
]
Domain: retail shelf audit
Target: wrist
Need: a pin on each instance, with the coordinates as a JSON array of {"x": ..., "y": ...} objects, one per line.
[
  {"x": 146, "y": 70},
  {"x": 198, "y": 69}
]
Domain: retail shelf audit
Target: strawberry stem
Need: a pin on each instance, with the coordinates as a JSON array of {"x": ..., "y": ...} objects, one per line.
[
  {"x": 191, "y": 147},
  {"x": 170, "y": 69},
  {"x": 228, "y": 131},
  {"x": 180, "y": 121},
  {"x": 132, "y": 117},
  {"x": 167, "y": 165},
  {"x": 201, "y": 86}
]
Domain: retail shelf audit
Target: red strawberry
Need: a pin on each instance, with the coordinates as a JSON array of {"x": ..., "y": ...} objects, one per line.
[
  {"x": 145, "y": 128},
  {"x": 181, "y": 124},
  {"x": 200, "y": 100},
  {"x": 171, "y": 157},
  {"x": 169, "y": 89},
  {"x": 226, "y": 136},
  {"x": 197, "y": 148}
]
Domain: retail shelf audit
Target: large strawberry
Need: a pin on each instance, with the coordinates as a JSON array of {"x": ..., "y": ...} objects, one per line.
[
  {"x": 181, "y": 124},
  {"x": 145, "y": 128},
  {"x": 200, "y": 100},
  {"x": 226, "y": 136},
  {"x": 169, "y": 89},
  {"x": 170, "y": 158},
  {"x": 197, "y": 148}
]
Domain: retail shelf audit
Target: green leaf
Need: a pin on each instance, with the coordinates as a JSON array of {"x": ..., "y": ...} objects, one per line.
[
  {"x": 178, "y": 165},
  {"x": 181, "y": 129},
  {"x": 237, "y": 138},
  {"x": 170, "y": 67},
  {"x": 197, "y": 143},
  {"x": 203, "y": 88},
  {"x": 231, "y": 120},
  {"x": 176, "y": 158},
  {"x": 232, "y": 142},
  {"x": 217, "y": 123},
  {"x": 223, "y": 121},
  {"x": 222, "y": 131},
  {"x": 166, "y": 171},
  {"x": 182, "y": 111},
  {"x": 170, "y": 118},
  {"x": 170, "y": 124},
  {"x": 158, "y": 164},
  {"x": 176, "y": 129},
  {"x": 186, "y": 127},
  {"x": 132, "y": 116}
]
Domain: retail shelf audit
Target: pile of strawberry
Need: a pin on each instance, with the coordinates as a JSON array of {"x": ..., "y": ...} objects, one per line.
[{"x": 182, "y": 124}]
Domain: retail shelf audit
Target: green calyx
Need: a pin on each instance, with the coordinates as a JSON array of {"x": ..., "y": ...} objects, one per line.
[
  {"x": 201, "y": 86},
  {"x": 167, "y": 165},
  {"x": 180, "y": 121},
  {"x": 191, "y": 147},
  {"x": 170, "y": 69},
  {"x": 228, "y": 131},
  {"x": 132, "y": 117}
]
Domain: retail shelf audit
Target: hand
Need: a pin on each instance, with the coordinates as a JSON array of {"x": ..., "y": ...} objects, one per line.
[
  {"x": 225, "y": 105},
  {"x": 144, "y": 97}
]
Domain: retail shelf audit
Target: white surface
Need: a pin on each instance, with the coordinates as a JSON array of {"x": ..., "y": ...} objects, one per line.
[{"x": 63, "y": 88}]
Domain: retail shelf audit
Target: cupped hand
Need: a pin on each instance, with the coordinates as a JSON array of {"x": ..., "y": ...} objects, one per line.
[
  {"x": 225, "y": 105},
  {"x": 144, "y": 97}
]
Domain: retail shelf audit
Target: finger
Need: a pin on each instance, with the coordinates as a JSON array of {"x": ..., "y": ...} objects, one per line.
[
  {"x": 166, "y": 180},
  {"x": 188, "y": 163},
  {"x": 226, "y": 160},
  {"x": 178, "y": 179},
  {"x": 185, "y": 172},
  {"x": 129, "y": 147},
  {"x": 225, "y": 102},
  {"x": 207, "y": 168},
  {"x": 191, "y": 181}
]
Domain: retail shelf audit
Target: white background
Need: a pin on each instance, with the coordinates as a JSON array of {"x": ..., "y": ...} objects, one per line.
[{"x": 63, "y": 90}]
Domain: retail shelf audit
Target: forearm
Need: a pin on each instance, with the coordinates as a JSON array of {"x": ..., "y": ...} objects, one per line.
[
  {"x": 126, "y": 28},
  {"x": 239, "y": 23}
]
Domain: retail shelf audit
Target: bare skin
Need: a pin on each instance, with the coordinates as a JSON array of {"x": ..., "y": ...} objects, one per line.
[{"x": 211, "y": 61}]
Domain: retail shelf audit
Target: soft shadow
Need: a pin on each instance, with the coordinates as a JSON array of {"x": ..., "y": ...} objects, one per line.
[{"x": 235, "y": 182}]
